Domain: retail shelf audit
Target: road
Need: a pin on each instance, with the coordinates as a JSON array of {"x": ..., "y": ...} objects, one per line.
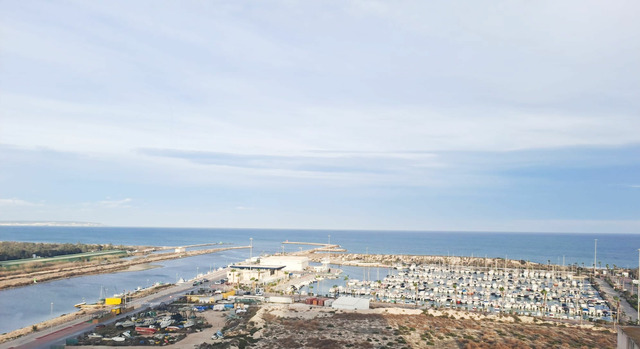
[
  {"x": 629, "y": 312},
  {"x": 58, "y": 334}
]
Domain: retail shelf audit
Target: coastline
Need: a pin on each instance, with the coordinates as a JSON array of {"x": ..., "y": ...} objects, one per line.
[{"x": 92, "y": 269}]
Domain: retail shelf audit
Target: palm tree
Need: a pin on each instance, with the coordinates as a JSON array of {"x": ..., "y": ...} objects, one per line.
[
  {"x": 455, "y": 294},
  {"x": 617, "y": 299},
  {"x": 599, "y": 264},
  {"x": 502, "y": 295},
  {"x": 544, "y": 295}
]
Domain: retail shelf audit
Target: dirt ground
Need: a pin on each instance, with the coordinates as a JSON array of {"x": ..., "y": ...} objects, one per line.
[{"x": 298, "y": 326}]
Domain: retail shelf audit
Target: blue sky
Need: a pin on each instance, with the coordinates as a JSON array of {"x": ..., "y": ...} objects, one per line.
[{"x": 488, "y": 116}]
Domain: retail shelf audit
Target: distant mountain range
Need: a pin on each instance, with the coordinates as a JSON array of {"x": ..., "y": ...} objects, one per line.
[{"x": 51, "y": 224}]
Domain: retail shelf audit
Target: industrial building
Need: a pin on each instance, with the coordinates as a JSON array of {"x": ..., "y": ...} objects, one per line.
[
  {"x": 350, "y": 303},
  {"x": 291, "y": 263}
]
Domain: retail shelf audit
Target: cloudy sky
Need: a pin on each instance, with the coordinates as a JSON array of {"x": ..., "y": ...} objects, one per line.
[{"x": 488, "y": 116}]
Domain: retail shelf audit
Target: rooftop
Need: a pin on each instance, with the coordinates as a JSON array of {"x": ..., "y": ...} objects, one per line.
[
  {"x": 632, "y": 332},
  {"x": 257, "y": 266}
]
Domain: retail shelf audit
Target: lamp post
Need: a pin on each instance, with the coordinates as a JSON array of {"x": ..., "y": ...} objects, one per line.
[
  {"x": 250, "y": 248},
  {"x": 329, "y": 246},
  {"x": 638, "y": 289},
  {"x": 595, "y": 254},
  {"x": 51, "y": 309}
]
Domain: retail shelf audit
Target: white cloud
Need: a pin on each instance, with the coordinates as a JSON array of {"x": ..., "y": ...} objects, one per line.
[
  {"x": 17, "y": 202},
  {"x": 124, "y": 203}
]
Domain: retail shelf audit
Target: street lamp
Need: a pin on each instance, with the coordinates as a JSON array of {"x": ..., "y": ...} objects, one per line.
[
  {"x": 595, "y": 254},
  {"x": 250, "y": 248}
]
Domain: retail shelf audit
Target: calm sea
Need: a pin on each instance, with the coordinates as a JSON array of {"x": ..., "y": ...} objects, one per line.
[
  {"x": 618, "y": 249},
  {"x": 24, "y": 306}
]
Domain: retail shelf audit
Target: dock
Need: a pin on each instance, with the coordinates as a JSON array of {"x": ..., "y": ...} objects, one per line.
[{"x": 321, "y": 247}]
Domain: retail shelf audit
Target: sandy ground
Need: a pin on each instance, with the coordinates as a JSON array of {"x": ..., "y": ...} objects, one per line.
[
  {"x": 293, "y": 326},
  {"x": 67, "y": 318},
  {"x": 141, "y": 267}
]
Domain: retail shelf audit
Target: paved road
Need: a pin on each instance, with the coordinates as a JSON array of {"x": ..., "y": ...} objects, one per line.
[
  {"x": 629, "y": 312},
  {"x": 58, "y": 334}
]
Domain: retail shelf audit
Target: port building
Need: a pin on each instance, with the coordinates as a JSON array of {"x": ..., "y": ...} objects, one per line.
[
  {"x": 291, "y": 263},
  {"x": 250, "y": 273}
]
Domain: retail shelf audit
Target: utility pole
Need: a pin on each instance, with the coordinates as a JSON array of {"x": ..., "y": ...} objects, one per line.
[
  {"x": 329, "y": 247},
  {"x": 595, "y": 254}
]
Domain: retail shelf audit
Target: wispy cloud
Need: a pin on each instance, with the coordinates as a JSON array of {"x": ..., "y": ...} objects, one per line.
[
  {"x": 348, "y": 162},
  {"x": 17, "y": 202},
  {"x": 124, "y": 203}
]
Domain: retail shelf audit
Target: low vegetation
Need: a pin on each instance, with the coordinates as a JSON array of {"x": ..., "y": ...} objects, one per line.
[{"x": 12, "y": 250}]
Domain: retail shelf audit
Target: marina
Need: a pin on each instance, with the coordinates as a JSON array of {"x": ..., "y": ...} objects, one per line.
[{"x": 560, "y": 295}]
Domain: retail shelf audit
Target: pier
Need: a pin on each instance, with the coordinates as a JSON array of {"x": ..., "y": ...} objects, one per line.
[
  {"x": 183, "y": 248},
  {"x": 321, "y": 247}
]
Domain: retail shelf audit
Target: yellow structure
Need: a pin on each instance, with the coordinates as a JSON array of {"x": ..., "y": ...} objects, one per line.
[
  {"x": 227, "y": 294},
  {"x": 113, "y": 301}
]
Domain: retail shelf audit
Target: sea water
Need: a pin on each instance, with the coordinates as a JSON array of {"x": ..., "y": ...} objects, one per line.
[{"x": 23, "y": 306}]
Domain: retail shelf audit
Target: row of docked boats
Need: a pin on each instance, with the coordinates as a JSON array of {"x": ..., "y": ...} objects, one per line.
[{"x": 521, "y": 291}]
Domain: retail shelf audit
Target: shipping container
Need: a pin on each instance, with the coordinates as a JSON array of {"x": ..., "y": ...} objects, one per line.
[{"x": 113, "y": 301}]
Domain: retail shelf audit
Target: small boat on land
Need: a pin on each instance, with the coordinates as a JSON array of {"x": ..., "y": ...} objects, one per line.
[
  {"x": 146, "y": 330},
  {"x": 126, "y": 323},
  {"x": 167, "y": 321}
]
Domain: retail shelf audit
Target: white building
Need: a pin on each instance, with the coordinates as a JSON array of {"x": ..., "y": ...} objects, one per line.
[
  {"x": 291, "y": 263},
  {"x": 250, "y": 273},
  {"x": 350, "y": 303},
  {"x": 629, "y": 337}
]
